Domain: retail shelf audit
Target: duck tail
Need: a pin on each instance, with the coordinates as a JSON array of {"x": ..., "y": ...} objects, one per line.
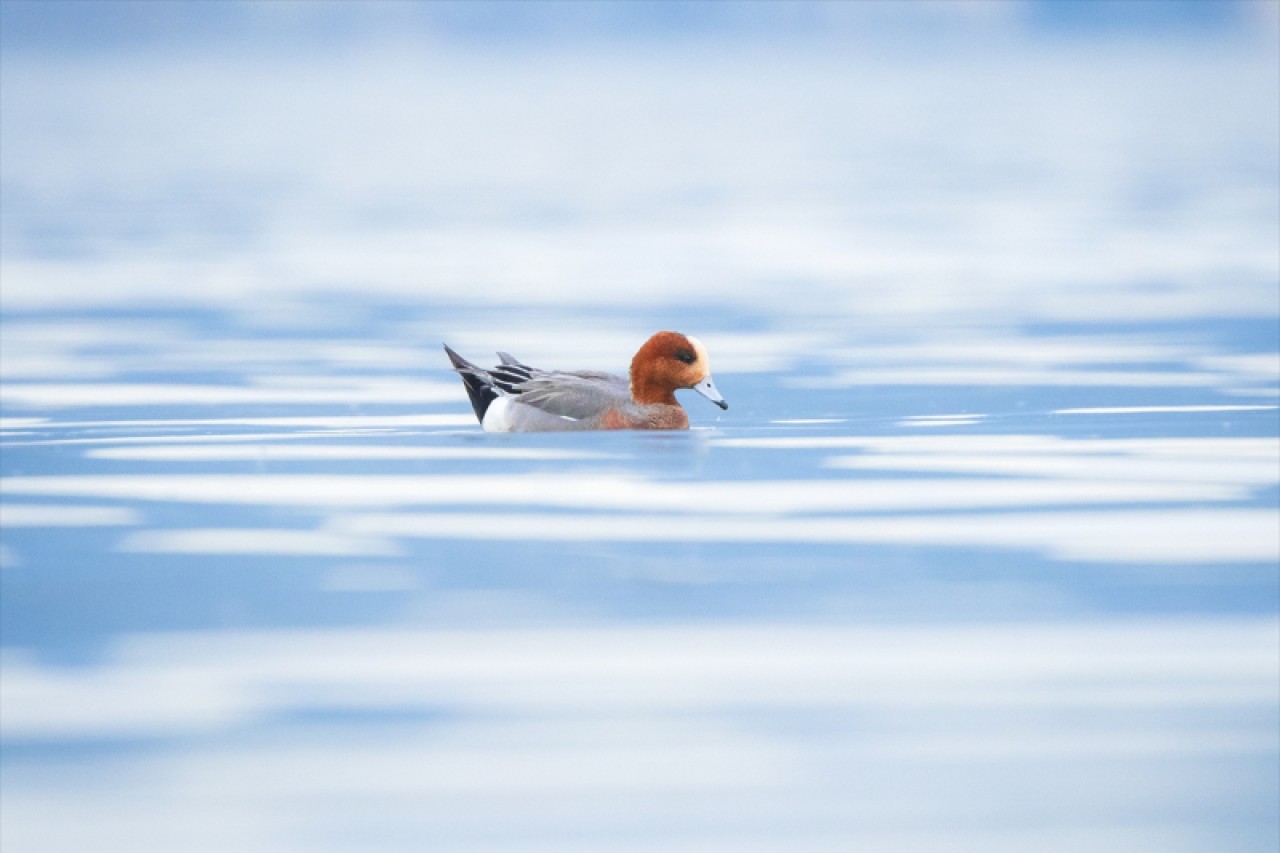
[{"x": 477, "y": 381}]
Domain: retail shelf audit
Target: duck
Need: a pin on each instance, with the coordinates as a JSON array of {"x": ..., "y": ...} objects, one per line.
[{"x": 514, "y": 397}]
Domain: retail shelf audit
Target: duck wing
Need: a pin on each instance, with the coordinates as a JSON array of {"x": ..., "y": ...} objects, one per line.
[{"x": 572, "y": 394}]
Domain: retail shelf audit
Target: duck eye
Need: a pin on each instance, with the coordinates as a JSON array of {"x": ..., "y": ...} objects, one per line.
[{"x": 686, "y": 355}]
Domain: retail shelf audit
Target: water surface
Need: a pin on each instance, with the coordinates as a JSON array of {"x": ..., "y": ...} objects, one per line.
[{"x": 983, "y": 555}]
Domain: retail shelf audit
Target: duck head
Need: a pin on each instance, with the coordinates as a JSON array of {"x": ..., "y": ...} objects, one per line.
[{"x": 670, "y": 360}]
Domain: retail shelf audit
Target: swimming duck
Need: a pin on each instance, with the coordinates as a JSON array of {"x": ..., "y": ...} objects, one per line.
[{"x": 515, "y": 397}]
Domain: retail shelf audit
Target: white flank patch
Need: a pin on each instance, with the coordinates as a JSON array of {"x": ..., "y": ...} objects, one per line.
[{"x": 496, "y": 417}]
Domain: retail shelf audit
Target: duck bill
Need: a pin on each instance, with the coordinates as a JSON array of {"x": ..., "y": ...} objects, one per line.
[{"x": 707, "y": 388}]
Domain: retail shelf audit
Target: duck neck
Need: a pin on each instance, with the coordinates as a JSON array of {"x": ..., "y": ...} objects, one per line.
[{"x": 648, "y": 391}]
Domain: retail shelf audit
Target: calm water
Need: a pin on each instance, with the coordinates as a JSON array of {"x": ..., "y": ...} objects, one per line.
[
  {"x": 984, "y": 555},
  {"x": 277, "y": 591}
]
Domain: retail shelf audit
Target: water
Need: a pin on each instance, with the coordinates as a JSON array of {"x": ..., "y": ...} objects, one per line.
[
  {"x": 984, "y": 555},
  {"x": 295, "y": 597}
]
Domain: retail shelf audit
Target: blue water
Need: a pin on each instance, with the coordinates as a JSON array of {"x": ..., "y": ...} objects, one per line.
[
  {"x": 964, "y": 614},
  {"x": 984, "y": 554}
]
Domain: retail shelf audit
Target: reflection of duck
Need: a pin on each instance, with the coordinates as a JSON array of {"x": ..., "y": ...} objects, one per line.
[{"x": 514, "y": 397}]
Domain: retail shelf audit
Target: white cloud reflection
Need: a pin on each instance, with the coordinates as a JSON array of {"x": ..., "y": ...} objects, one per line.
[
  {"x": 195, "y": 452},
  {"x": 1203, "y": 663},
  {"x": 612, "y": 492},
  {"x": 1125, "y": 500},
  {"x": 1160, "y": 410},
  {"x": 326, "y": 422},
  {"x": 277, "y": 542},
  {"x": 523, "y": 738},
  {"x": 63, "y": 515},
  {"x": 1078, "y": 466},
  {"x": 339, "y": 391},
  {"x": 1019, "y": 180},
  {"x": 1145, "y": 536}
]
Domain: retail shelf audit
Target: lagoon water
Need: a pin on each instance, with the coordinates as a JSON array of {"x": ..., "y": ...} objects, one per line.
[{"x": 984, "y": 555}]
